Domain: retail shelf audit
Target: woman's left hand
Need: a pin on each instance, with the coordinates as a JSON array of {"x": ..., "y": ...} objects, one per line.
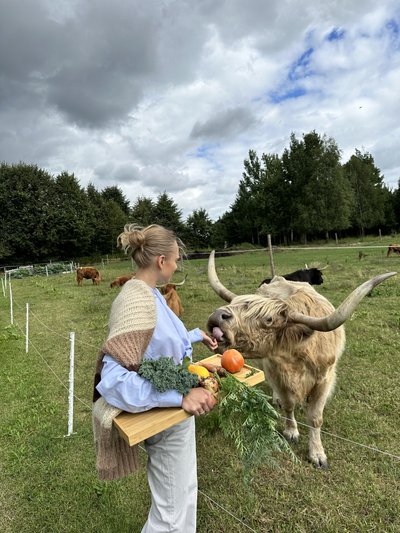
[{"x": 210, "y": 342}]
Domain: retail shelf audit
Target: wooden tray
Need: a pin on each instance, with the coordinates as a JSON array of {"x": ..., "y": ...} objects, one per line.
[{"x": 136, "y": 427}]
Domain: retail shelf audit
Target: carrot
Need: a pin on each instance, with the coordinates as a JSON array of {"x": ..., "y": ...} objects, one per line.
[
  {"x": 215, "y": 368},
  {"x": 211, "y": 368},
  {"x": 222, "y": 372}
]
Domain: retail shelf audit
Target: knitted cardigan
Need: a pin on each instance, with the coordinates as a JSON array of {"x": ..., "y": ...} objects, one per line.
[{"x": 131, "y": 326}]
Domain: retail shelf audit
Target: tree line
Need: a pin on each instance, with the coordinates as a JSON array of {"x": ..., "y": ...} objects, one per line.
[
  {"x": 303, "y": 195},
  {"x": 308, "y": 194}
]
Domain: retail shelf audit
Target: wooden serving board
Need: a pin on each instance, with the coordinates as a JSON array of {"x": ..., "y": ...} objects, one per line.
[{"x": 136, "y": 427}]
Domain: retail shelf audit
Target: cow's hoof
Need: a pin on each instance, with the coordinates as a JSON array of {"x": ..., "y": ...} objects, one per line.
[
  {"x": 320, "y": 462},
  {"x": 291, "y": 435}
]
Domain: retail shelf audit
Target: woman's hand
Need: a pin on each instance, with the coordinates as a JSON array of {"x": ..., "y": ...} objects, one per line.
[
  {"x": 210, "y": 342},
  {"x": 198, "y": 401}
]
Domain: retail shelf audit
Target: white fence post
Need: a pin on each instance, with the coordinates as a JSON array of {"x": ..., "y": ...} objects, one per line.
[
  {"x": 11, "y": 304},
  {"x": 27, "y": 329},
  {"x": 47, "y": 271},
  {"x": 71, "y": 384},
  {"x": 5, "y": 277},
  {"x": 3, "y": 287}
]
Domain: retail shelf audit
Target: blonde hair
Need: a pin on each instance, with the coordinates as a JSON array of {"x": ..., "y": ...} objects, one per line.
[{"x": 144, "y": 243}]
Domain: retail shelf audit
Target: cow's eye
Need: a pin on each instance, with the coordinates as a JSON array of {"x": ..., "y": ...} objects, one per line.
[{"x": 268, "y": 320}]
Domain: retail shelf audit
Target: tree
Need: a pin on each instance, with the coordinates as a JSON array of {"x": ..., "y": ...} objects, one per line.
[
  {"x": 27, "y": 217},
  {"x": 198, "y": 229},
  {"x": 143, "y": 211},
  {"x": 273, "y": 198},
  {"x": 364, "y": 177},
  {"x": 221, "y": 236},
  {"x": 99, "y": 243},
  {"x": 167, "y": 214},
  {"x": 243, "y": 222},
  {"x": 114, "y": 219},
  {"x": 115, "y": 193},
  {"x": 108, "y": 221},
  {"x": 246, "y": 206},
  {"x": 72, "y": 219},
  {"x": 319, "y": 197},
  {"x": 389, "y": 209},
  {"x": 396, "y": 204},
  {"x": 303, "y": 191}
]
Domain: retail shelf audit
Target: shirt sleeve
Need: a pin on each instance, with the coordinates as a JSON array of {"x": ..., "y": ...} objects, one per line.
[
  {"x": 130, "y": 392},
  {"x": 195, "y": 335}
]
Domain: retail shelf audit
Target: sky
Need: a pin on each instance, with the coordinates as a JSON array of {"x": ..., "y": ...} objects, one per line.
[{"x": 169, "y": 96}]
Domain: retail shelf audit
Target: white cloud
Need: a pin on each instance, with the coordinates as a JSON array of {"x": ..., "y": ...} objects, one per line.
[{"x": 170, "y": 96}]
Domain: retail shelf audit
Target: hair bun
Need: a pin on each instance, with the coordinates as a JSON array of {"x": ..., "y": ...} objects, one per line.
[
  {"x": 136, "y": 239},
  {"x": 132, "y": 238},
  {"x": 146, "y": 243}
]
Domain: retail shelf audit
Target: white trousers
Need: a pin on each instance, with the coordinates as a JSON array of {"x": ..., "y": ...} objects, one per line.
[{"x": 172, "y": 478}]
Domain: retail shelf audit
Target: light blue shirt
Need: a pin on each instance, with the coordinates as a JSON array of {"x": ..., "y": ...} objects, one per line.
[{"x": 129, "y": 391}]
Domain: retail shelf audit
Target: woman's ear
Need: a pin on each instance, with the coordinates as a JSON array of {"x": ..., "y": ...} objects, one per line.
[{"x": 160, "y": 261}]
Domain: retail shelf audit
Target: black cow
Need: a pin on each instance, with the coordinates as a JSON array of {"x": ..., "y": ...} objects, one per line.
[{"x": 313, "y": 276}]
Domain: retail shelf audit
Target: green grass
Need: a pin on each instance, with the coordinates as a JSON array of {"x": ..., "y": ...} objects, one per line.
[{"x": 48, "y": 481}]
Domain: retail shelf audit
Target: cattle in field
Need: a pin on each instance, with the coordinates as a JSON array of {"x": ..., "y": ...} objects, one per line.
[
  {"x": 172, "y": 298},
  {"x": 393, "y": 248},
  {"x": 88, "y": 273},
  {"x": 297, "y": 335},
  {"x": 121, "y": 280},
  {"x": 313, "y": 276}
]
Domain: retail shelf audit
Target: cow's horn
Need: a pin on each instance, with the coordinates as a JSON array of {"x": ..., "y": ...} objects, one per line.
[
  {"x": 222, "y": 291},
  {"x": 345, "y": 309},
  {"x": 172, "y": 283},
  {"x": 181, "y": 282}
]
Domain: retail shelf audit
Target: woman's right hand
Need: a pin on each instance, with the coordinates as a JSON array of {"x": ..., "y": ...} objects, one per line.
[{"x": 198, "y": 401}]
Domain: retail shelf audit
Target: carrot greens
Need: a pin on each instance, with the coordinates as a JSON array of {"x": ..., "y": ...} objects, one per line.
[{"x": 247, "y": 418}]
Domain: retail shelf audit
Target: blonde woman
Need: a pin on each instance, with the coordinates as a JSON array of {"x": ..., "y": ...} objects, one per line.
[{"x": 142, "y": 326}]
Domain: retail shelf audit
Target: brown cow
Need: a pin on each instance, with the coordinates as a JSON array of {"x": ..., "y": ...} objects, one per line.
[
  {"x": 298, "y": 336},
  {"x": 395, "y": 248},
  {"x": 121, "y": 280},
  {"x": 88, "y": 273},
  {"x": 172, "y": 298}
]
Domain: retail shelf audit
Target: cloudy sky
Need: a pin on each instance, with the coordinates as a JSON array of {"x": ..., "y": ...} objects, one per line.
[{"x": 170, "y": 95}]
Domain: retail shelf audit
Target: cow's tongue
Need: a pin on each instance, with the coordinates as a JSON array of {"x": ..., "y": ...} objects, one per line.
[{"x": 217, "y": 333}]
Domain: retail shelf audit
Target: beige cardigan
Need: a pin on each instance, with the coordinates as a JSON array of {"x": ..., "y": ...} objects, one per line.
[{"x": 131, "y": 325}]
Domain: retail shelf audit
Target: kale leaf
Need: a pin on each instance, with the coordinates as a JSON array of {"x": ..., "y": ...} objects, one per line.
[{"x": 165, "y": 375}]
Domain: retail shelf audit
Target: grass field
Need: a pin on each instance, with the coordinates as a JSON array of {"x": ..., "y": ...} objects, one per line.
[{"x": 48, "y": 480}]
